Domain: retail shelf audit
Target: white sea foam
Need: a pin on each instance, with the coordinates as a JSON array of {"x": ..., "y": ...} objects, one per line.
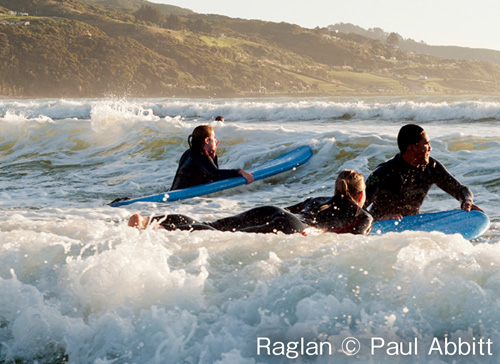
[{"x": 79, "y": 285}]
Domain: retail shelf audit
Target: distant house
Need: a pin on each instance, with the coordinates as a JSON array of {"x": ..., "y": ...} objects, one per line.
[{"x": 17, "y": 13}]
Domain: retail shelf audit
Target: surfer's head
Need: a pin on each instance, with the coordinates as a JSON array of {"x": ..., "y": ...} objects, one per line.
[
  {"x": 414, "y": 145},
  {"x": 203, "y": 139},
  {"x": 352, "y": 185},
  {"x": 409, "y": 134}
]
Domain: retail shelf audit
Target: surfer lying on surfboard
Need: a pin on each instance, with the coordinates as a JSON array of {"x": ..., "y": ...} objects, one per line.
[
  {"x": 399, "y": 186},
  {"x": 341, "y": 213}
]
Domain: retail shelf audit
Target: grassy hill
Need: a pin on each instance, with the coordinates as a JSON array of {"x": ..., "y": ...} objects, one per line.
[{"x": 94, "y": 48}]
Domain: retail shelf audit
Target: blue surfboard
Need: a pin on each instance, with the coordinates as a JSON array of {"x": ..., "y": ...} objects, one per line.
[
  {"x": 277, "y": 165},
  {"x": 470, "y": 224}
]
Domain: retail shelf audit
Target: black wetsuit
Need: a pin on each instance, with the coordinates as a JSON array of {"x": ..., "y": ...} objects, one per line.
[
  {"x": 332, "y": 214},
  {"x": 265, "y": 219},
  {"x": 197, "y": 168},
  {"x": 336, "y": 214},
  {"x": 396, "y": 187}
]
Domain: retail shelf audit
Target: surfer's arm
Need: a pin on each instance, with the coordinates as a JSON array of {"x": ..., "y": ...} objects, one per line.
[
  {"x": 365, "y": 224},
  {"x": 452, "y": 186},
  {"x": 294, "y": 209},
  {"x": 246, "y": 175},
  {"x": 208, "y": 166},
  {"x": 374, "y": 183},
  {"x": 360, "y": 224}
]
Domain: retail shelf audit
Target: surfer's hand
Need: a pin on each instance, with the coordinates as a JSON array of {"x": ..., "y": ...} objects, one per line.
[
  {"x": 392, "y": 217},
  {"x": 467, "y": 205},
  {"x": 246, "y": 175}
]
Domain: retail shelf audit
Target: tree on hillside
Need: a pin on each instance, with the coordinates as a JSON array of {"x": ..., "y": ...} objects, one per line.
[
  {"x": 173, "y": 22},
  {"x": 393, "y": 39},
  {"x": 200, "y": 26},
  {"x": 150, "y": 14},
  {"x": 378, "y": 33}
]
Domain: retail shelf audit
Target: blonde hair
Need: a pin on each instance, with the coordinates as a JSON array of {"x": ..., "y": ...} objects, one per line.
[{"x": 349, "y": 183}]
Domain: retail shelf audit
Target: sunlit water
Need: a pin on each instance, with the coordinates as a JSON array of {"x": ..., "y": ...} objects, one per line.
[{"x": 78, "y": 285}]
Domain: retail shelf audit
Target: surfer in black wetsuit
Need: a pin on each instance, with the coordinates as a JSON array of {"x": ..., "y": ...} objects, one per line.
[
  {"x": 199, "y": 163},
  {"x": 341, "y": 213},
  {"x": 399, "y": 186}
]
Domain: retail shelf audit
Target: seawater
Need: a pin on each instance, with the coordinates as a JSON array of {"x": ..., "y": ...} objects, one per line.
[{"x": 79, "y": 286}]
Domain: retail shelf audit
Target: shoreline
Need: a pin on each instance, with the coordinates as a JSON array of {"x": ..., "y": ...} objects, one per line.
[{"x": 253, "y": 96}]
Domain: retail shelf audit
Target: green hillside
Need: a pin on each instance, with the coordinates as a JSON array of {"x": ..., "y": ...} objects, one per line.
[{"x": 94, "y": 48}]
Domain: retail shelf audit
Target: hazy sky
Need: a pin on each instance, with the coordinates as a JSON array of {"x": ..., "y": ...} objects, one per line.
[{"x": 437, "y": 22}]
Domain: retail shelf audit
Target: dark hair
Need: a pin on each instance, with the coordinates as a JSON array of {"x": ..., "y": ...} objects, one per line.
[
  {"x": 349, "y": 183},
  {"x": 197, "y": 138},
  {"x": 409, "y": 134},
  {"x": 219, "y": 118}
]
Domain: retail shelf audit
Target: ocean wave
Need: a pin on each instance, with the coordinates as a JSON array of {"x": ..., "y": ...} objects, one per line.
[{"x": 256, "y": 109}]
